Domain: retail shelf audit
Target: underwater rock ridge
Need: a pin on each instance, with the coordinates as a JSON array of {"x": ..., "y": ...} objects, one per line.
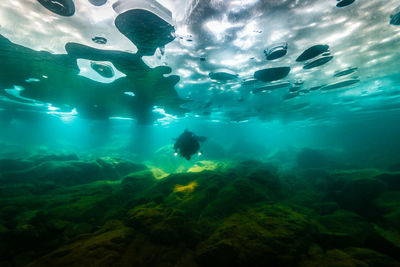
[{"x": 243, "y": 214}]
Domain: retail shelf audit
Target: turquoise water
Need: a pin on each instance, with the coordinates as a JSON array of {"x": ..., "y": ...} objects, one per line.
[{"x": 294, "y": 104}]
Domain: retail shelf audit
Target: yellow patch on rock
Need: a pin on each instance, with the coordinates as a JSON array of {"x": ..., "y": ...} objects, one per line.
[
  {"x": 186, "y": 188},
  {"x": 203, "y": 166},
  {"x": 158, "y": 173}
]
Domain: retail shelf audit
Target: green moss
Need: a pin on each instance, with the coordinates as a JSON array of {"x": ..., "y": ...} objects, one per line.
[
  {"x": 332, "y": 258},
  {"x": 371, "y": 257},
  {"x": 343, "y": 228},
  {"x": 349, "y": 257},
  {"x": 238, "y": 215},
  {"x": 270, "y": 234},
  {"x": 102, "y": 248}
]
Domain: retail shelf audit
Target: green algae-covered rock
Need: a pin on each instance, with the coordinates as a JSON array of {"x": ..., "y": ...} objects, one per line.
[
  {"x": 344, "y": 228},
  {"x": 313, "y": 159},
  {"x": 72, "y": 172},
  {"x": 349, "y": 257},
  {"x": 320, "y": 178},
  {"x": 391, "y": 179},
  {"x": 3, "y": 229},
  {"x": 64, "y": 173},
  {"x": 358, "y": 195},
  {"x": 386, "y": 240},
  {"x": 217, "y": 193},
  {"x": 325, "y": 208},
  {"x": 238, "y": 215},
  {"x": 14, "y": 165},
  {"x": 39, "y": 158},
  {"x": 371, "y": 257},
  {"x": 137, "y": 182},
  {"x": 331, "y": 258},
  {"x": 271, "y": 235},
  {"x": 115, "y": 167},
  {"x": 388, "y": 205},
  {"x": 102, "y": 248},
  {"x": 163, "y": 225}
]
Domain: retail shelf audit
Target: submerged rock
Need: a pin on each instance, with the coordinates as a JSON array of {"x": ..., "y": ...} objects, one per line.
[
  {"x": 241, "y": 214},
  {"x": 371, "y": 257},
  {"x": 53, "y": 157},
  {"x": 391, "y": 179},
  {"x": 358, "y": 195},
  {"x": 388, "y": 203},
  {"x": 309, "y": 158},
  {"x": 116, "y": 167},
  {"x": 137, "y": 182},
  {"x": 102, "y": 248},
  {"x": 71, "y": 172},
  {"x": 167, "y": 226},
  {"x": 325, "y": 208},
  {"x": 343, "y": 229},
  {"x": 271, "y": 234},
  {"x": 347, "y": 257},
  {"x": 14, "y": 165}
]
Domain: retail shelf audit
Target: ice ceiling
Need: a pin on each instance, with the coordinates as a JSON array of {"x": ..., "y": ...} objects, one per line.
[{"x": 222, "y": 60}]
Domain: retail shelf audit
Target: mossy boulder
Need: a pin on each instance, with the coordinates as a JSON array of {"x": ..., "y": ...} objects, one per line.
[
  {"x": 309, "y": 158},
  {"x": 72, "y": 172},
  {"x": 269, "y": 235},
  {"x": 319, "y": 178},
  {"x": 325, "y": 208},
  {"x": 388, "y": 204},
  {"x": 137, "y": 182},
  {"x": 102, "y": 248},
  {"x": 163, "y": 225},
  {"x": 358, "y": 195},
  {"x": 343, "y": 228},
  {"x": 385, "y": 240},
  {"x": 371, "y": 257},
  {"x": 113, "y": 212},
  {"x": 116, "y": 167},
  {"x": 330, "y": 258},
  {"x": 14, "y": 165},
  {"x": 64, "y": 173},
  {"x": 349, "y": 257},
  {"x": 215, "y": 193},
  {"x": 39, "y": 158},
  {"x": 391, "y": 179}
]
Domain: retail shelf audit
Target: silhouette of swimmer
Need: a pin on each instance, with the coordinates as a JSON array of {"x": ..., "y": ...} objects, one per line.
[{"x": 187, "y": 144}]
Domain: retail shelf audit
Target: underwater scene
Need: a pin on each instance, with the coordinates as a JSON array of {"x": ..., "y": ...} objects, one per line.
[{"x": 198, "y": 133}]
